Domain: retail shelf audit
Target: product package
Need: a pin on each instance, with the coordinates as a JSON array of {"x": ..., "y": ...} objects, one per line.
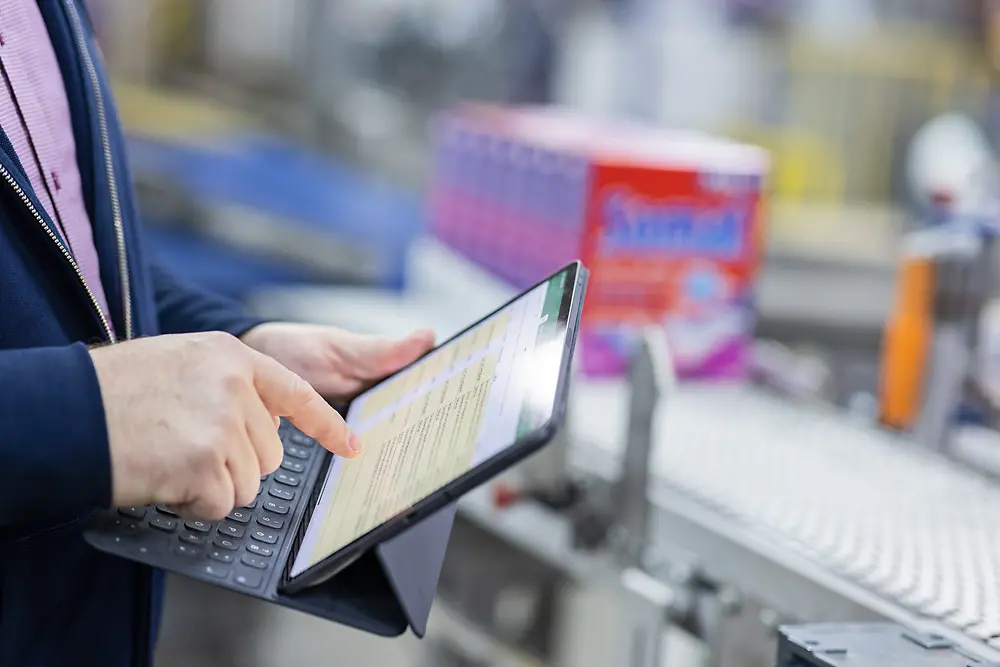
[{"x": 669, "y": 223}]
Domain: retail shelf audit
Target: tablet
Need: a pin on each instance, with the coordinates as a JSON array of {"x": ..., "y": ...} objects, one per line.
[{"x": 466, "y": 411}]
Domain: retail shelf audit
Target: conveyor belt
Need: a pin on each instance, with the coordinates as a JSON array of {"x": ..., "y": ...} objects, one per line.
[{"x": 867, "y": 505}]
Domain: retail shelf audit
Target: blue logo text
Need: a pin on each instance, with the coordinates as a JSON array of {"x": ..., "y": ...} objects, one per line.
[{"x": 633, "y": 224}]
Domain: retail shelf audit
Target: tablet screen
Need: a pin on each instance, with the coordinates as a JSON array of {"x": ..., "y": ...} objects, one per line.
[{"x": 460, "y": 405}]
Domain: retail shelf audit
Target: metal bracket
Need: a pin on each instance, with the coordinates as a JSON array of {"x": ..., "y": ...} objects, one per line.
[{"x": 867, "y": 645}]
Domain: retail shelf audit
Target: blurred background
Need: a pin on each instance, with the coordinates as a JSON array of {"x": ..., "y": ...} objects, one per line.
[{"x": 310, "y": 158}]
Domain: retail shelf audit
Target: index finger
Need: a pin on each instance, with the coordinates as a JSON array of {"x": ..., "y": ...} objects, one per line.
[{"x": 285, "y": 394}]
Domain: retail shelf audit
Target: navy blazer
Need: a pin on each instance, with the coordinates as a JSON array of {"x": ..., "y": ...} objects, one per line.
[{"x": 62, "y": 602}]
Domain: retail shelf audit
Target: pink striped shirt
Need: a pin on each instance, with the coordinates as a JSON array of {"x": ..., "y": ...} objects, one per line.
[{"x": 34, "y": 113}]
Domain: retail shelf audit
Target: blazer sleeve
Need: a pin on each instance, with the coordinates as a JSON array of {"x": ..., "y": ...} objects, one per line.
[
  {"x": 53, "y": 436},
  {"x": 183, "y": 308}
]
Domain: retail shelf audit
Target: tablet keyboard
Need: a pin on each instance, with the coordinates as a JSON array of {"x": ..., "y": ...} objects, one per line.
[{"x": 242, "y": 547}]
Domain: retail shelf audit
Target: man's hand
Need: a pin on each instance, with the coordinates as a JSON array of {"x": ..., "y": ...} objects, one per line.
[
  {"x": 337, "y": 363},
  {"x": 192, "y": 420}
]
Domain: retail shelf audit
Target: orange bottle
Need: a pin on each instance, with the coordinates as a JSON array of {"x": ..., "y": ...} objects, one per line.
[{"x": 907, "y": 338}]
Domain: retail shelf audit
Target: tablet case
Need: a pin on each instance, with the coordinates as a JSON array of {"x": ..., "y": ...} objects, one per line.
[
  {"x": 389, "y": 588},
  {"x": 385, "y": 591}
]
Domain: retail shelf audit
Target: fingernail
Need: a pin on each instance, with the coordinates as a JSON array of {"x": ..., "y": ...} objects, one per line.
[{"x": 354, "y": 442}]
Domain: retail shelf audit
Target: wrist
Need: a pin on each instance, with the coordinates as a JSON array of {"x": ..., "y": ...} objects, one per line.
[
  {"x": 258, "y": 337},
  {"x": 254, "y": 333}
]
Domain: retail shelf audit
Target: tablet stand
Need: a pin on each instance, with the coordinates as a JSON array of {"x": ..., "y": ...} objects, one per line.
[{"x": 388, "y": 589}]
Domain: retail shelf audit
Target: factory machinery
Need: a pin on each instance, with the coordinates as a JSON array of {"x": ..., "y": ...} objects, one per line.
[{"x": 724, "y": 511}]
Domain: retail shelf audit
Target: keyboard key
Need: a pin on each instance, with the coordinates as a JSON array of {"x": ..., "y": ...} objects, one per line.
[
  {"x": 165, "y": 510},
  {"x": 225, "y": 543},
  {"x": 292, "y": 466},
  {"x": 276, "y": 507},
  {"x": 286, "y": 479},
  {"x": 254, "y": 561},
  {"x": 297, "y": 452},
  {"x": 240, "y": 516},
  {"x": 271, "y": 522},
  {"x": 253, "y": 503},
  {"x": 187, "y": 550},
  {"x": 282, "y": 494},
  {"x": 248, "y": 579},
  {"x": 193, "y": 538},
  {"x": 198, "y": 526},
  {"x": 232, "y": 530},
  {"x": 216, "y": 571},
  {"x": 163, "y": 523},
  {"x": 263, "y": 478},
  {"x": 255, "y": 548},
  {"x": 301, "y": 439},
  {"x": 221, "y": 555},
  {"x": 265, "y": 536},
  {"x": 133, "y": 512}
]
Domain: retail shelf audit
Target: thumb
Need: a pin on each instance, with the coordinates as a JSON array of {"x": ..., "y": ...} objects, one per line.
[{"x": 391, "y": 355}]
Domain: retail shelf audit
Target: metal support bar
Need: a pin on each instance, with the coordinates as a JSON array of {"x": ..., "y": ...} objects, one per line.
[
  {"x": 647, "y": 600},
  {"x": 959, "y": 288},
  {"x": 651, "y": 374}
]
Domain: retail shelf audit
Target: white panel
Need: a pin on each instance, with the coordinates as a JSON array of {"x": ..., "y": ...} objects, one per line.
[
  {"x": 249, "y": 35},
  {"x": 588, "y": 69}
]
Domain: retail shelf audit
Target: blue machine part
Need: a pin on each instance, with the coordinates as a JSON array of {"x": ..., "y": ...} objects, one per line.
[
  {"x": 307, "y": 191},
  {"x": 218, "y": 268}
]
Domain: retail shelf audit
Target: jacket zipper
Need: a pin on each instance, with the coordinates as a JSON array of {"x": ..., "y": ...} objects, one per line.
[
  {"x": 143, "y": 598},
  {"x": 109, "y": 168},
  {"x": 55, "y": 239}
]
